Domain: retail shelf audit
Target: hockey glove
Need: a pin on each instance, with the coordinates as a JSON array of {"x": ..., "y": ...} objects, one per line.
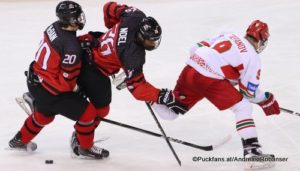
[
  {"x": 32, "y": 77},
  {"x": 270, "y": 106},
  {"x": 167, "y": 97},
  {"x": 82, "y": 92},
  {"x": 96, "y": 34},
  {"x": 119, "y": 81},
  {"x": 88, "y": 41}
]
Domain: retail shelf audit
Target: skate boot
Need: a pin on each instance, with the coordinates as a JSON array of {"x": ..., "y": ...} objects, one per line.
[
  {"x": 93, "y": 153},
  {"x": 74, "y": 145},
  {"x": 16, "y": 144},
  {"x": 254, "y": 157}
]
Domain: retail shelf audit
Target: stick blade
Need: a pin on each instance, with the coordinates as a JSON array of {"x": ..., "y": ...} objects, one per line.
[{"x": 222, "y": 142}]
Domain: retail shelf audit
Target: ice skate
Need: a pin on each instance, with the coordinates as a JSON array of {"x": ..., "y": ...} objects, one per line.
[
  {"x": 16, "y": 144},
  {"x": 254, "y": 158},
  {"x": 74, "y": 145},
  {"x": 92, "y": 153}
]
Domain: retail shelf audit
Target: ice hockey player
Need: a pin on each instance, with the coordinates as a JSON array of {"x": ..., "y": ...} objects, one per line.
[
  {"x": 123, "y": 46},
  {"x": 51, "y": 81},
  {"x": 215, "y": 66}
]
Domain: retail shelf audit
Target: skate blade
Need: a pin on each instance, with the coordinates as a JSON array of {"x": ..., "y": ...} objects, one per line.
[
  {"x": 19, "y": 150},
  {"x": 74, "y": 156},
  {"x": 21, "y": 102},
  {"x": 258, "y": 165}
]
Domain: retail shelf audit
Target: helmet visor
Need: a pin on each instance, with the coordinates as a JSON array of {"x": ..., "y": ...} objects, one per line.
[{"x": 81, "y": 20}]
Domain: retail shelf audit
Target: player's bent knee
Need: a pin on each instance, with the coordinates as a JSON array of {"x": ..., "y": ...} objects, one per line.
[
  {"x": 89, "y": 114},
  {"x": 103, "y": 111},
  {"x": 242, "y": 107},
  {"x": 42, "y": 120}
]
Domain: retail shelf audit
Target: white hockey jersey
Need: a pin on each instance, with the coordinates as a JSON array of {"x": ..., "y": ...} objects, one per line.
[{"x": 229, "y": 56}]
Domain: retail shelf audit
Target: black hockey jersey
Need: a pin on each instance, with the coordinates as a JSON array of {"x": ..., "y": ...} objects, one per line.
[
  {"x": 118, "y": 49},
  {"x": 58, "y": 59}
]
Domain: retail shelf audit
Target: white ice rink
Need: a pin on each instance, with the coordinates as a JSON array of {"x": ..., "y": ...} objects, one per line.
[{"x": 184, "y": 22}]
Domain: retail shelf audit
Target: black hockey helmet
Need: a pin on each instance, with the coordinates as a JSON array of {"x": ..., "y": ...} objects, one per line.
[
  {"x": 150, "y": 30},
  {"x": 69, "y": 12}
]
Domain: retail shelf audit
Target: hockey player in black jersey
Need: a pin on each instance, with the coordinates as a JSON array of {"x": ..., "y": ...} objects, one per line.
[
  {"x": 52, "y": 82},
  {"x": 123, "y": 47}
]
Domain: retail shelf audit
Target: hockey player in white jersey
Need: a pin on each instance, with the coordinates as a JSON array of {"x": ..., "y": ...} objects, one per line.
[{"x": 213, "y": 70}]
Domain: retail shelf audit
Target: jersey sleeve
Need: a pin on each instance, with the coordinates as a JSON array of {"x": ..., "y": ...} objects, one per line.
[
  {"x": 132, "y": 60},
  {"x": 249, "y": 82},
  {"x": 259, "y": 97},
  {"x": 132, "y": 56},
  {"x": 114, "y": 12},
  {"x": 139, "y": 87}
]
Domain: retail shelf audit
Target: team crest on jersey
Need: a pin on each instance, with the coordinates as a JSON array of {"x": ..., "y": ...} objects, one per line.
[{"x": 252, "y": 87}]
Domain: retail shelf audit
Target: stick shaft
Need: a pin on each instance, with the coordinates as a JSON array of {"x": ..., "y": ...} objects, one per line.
[
  {"x": 163, "y": 133},
  {"x": 289, "y": 111}
]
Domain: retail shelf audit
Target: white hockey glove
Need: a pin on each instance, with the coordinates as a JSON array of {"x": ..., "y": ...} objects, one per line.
[{"x": 119, "y": 81}]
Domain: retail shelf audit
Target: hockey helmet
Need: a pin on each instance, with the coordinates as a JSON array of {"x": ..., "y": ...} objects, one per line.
[
  {"x": 150, "y": 30},
  {"x": 69, "y": 12},
  {"x": 259, "y": 31}
]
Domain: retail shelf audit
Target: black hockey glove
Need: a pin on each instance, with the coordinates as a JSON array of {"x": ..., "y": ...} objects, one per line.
[
  {"x": 32, "y": 77},
  {"x": 96, "y": 34},
  {"x": 167, "y": 97},
  {"x": 88, "y": 41},
  {"x": 82, "y": 92},
  {"x": 86, "y": 44}
]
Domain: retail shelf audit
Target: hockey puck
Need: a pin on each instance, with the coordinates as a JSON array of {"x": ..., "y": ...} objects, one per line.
[{"x": 49, "y": 161}]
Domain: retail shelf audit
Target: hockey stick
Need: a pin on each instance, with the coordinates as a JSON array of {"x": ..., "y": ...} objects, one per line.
[
  {"x": 290, "y": 111},
  {"x": 20, "y": 101},
  {"x": 163, "y": 133},
  {"x": 205, "y": 148}
]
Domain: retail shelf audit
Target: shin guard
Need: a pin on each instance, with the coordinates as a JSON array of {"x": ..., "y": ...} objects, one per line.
[
  {"x": 33, "y": 125},
  {"x": 85, "y": 127}
]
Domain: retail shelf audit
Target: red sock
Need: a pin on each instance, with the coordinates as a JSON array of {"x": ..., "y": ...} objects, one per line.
[
  {"x": 85, "y": 127},
  {"x": 33, "y": 125},
  {"x": 101, "y": 113}
]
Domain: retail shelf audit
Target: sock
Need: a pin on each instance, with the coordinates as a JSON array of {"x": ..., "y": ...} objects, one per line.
[
  {"x": 245, "y": 125},
  {"x": 33, "y": 125}
]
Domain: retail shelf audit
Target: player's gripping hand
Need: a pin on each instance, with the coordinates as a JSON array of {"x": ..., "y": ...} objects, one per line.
[
  {"x": 167, "y": 97},
  {"x": 270, "y": 106},
  {"x": 88, "y": 41}
]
